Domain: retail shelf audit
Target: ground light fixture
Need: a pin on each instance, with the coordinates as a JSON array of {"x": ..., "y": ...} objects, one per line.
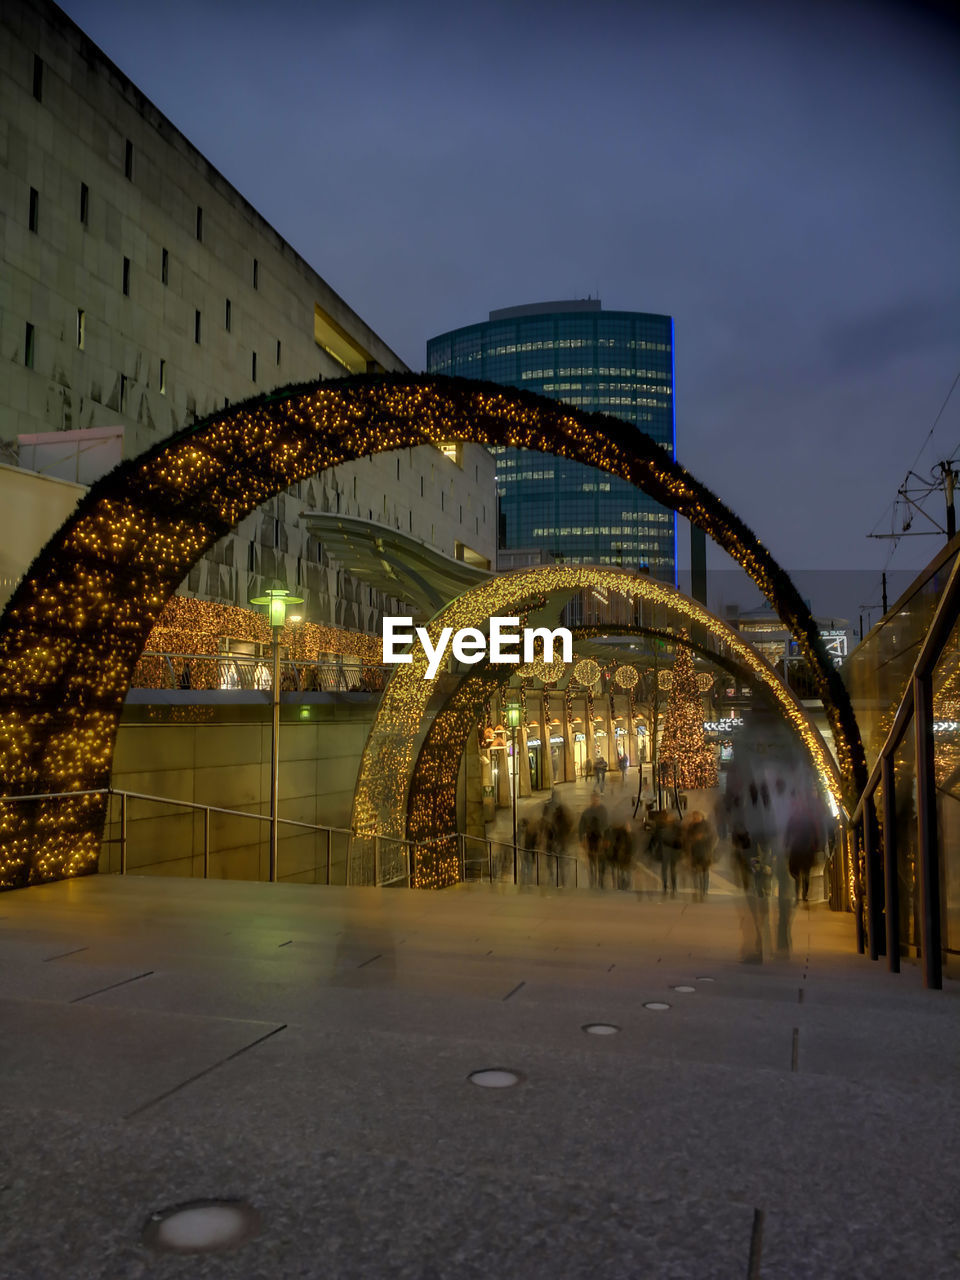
[
  {"x": 657, "y": 1006},
  {"x": 276, "y": 600},
  {"x": 494, "y": 1078},
  {"x": 685, "y": 990},
  {"x": 600, "y": 1028},
  {"x": 201, "y": 1226}
]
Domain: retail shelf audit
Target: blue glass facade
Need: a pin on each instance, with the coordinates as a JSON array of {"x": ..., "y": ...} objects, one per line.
[{"x": 616, "y": 362}]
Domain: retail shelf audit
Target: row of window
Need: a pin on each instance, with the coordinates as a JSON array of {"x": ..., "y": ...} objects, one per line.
[
  {"x": 30, "y": 351},
  {"x": 469, "y": 349},
  {"x": 128, "y": 153},
  {"x": 125, "y": 275},
  {"x": 585, "y": 531},
  {"x": 587, "y": 371}
]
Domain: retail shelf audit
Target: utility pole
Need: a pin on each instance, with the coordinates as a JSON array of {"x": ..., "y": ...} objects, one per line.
[{"x": 949, "y": 478}]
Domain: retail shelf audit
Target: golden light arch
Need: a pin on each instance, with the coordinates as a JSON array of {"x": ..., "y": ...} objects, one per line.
[
  {"x": 401, "y": 725},
  {"x": 71, "y": 634}
]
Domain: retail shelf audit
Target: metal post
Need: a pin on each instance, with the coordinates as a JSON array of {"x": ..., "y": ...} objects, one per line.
[
  {"x": 516, "y": 769},
  {"x": 853, "y": 854},
  {"x": 329, "y": 842},
  {"x": 890, "y": 867},
  {"x": 275, "y": 760},
  {"x": 376, "y": 860},
  {"x": 123, "y": 833},
  {"x": 928, "y": 841},
  {"x": 206, "y": 844},
  {"x": 874, "y": 919}
]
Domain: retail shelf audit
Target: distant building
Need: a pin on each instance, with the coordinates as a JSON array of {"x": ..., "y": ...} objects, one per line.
[
  {"x": 140, "y": 292},
  {"x": 616, "y": 362}
]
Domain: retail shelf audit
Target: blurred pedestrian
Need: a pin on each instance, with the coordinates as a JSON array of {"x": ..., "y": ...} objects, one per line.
[
  {"x": 803, "y": 840},
  {"x": 620, "y": 854},
  {"x": 593, "y": 830},
  {"x": 623, "y": 764},
  {"x": 671, "y": 847},
  {"x": 699, "y": 841},
  {"x": 600, "y": 769}
]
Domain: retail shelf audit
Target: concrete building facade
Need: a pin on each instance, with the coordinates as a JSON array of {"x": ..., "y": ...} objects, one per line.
[{"x": 141, "y": 292}]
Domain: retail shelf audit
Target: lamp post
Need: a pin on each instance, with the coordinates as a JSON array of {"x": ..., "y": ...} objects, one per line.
[
  {"x": 275, "y": 601},
  {"x": 513, "y": 719}
]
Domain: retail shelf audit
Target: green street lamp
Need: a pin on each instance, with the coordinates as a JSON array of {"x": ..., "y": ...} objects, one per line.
[
  {"x": 513, "y": 720},
  {"x": 275, "y": 602}
]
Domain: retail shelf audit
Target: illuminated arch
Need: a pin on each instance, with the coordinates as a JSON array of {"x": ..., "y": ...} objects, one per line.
[
  {"x": 393, "y": 753},
  {"x": 432, "y": 800},
  {"x": 76, "y": 625}
]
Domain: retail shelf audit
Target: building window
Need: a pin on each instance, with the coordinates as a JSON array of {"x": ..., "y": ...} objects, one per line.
[
  {"x": 84, "y": 203},
  {"x": 250, "y": 557},
  {"x": 227, "y": 317},
  {"x": 421, "y": 486},
  {"x": 164, "y": 267},
  {"x": 34, "y": 219},
  {"x": 253, "y": 365},
  {"x": 163, "y": 377},
  {"x": 123, "y": 391},
  {"x": 126, "y": 277},
  {"x": 128, "y": 160},
  {"x": 81, "y": 328},
  {"x": 196, "y": 326},
  {"x": 256, "y": 274},
  {"x": 278, "y": 353},
  {"x": 199, "y": 223},
  {"x": 29, "y": 346},
  {"x": 38, "y": 77}
]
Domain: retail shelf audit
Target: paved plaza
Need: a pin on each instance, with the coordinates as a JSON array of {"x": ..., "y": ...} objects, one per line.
[{"x": 307, "y": 1050}]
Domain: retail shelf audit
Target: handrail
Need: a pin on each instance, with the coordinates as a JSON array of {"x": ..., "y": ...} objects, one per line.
[
  {"x": 206, "y": 809},
  {"x": 916, "y": 705},
  {"x": 518, "y": 852},
  {"x": 160, "y": 669}
]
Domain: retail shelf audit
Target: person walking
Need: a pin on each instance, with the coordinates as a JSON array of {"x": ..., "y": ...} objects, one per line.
[
  {"x": 600, "y": 769},
  {"x": 623, "y": 765},
  {"x": 698, "y": 842},
  {"x": 593, "y": 830}
]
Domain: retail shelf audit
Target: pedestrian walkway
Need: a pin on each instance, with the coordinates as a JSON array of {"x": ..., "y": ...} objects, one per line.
[
  {"x": 307, "y": 1050},
  {"x": 619, "y": 798}
]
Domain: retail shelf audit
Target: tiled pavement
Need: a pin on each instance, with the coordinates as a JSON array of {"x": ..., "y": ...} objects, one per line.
[{"x": 308, "y": 1050}]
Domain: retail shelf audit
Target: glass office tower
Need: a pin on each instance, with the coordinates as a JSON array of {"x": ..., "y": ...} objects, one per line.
[{"x": 616, "y": 362}]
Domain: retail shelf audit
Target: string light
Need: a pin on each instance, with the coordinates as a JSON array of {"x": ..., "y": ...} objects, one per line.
[
  {"x": 412, "y": 708},
  {"x": 72, "y": 633}
]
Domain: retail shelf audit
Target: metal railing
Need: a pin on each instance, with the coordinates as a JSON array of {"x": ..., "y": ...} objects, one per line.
[
  {"x": 499, "y": 862},
  {"x": 210, "y": 671},
  {"x": 878, "y": 899},
  {"x": 336, "y": 852}
]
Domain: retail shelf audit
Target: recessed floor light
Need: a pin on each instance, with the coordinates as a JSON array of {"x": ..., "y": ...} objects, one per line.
[
  {"x": 494, "y": 1078},
  {"x": 201, "y": 1226},
  {"x": 656, "y": 1005},
  {"x": 600, "y": 1028},
  {"x": 706, "y": 979},
  {"x": 685, "y": 989}
]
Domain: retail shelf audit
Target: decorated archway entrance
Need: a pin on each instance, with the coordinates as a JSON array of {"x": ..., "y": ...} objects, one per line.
[
  {"x": 406, "y": 788},
  {"x": 74, "y": 629}
]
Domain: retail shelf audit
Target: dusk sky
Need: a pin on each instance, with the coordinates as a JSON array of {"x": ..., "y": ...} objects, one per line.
[{"x": 783, "y": 179}]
